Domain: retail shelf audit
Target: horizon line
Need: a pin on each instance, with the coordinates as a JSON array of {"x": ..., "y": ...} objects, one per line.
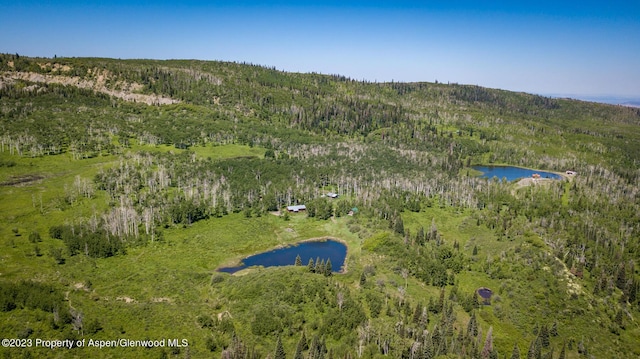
[{"x": 607, "y": 98}]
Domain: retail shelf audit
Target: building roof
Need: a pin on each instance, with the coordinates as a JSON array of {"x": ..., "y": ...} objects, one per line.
[{"x": 300, "y": 207}]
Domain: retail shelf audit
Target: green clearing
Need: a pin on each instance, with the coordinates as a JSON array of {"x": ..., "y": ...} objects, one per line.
[{"x": 228, "y": 151}]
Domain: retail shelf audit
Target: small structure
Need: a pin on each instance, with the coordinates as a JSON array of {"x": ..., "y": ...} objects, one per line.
[
  {"x": 332, "y": 195},
  {"x": 353, "y": 211},
  {"x": 535, "y": 176},
  {"x": 297, "y": 208}
]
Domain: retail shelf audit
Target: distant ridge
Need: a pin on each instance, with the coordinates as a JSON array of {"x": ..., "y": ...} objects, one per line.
[
  {"x": 607, "y": 99},
  {"x": 635, "y": 103}
]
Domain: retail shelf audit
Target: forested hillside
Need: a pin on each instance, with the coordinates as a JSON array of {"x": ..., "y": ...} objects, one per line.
[{"x": 126, "y": 184}]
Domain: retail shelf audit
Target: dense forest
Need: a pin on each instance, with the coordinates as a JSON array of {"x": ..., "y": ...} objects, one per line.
[{"x": 126, "y": 184}]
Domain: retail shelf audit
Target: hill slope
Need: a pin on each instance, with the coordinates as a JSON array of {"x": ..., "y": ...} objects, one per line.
[{"x": 126, "y": 184}]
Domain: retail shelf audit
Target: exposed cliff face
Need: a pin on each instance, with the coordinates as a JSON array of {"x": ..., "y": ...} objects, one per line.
[{"x": 99, "y": 82}]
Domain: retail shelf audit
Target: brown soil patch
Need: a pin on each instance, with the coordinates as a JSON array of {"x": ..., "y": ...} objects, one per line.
[
  {"x": 161, "y": 300},
  {"x": 224, "y": 315},
  {"x": 533, "y": 181},
  {"x": 122, "y": 90},
  {"x": 127, "y": 299}
]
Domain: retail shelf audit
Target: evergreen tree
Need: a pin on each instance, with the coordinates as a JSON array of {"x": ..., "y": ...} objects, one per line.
[
  {"x": 619, "y": 319},
  {"x": 420, "y": 236},
  {"x": 299, "y": 349},
  {"x": 475, "y": 351},
  {"x": 488, "y": 345},
  {"x": 621, "y": 280},
  {"x": 279, "y": 353},
  {"x": 582, "y": 349},
  {"x": 436, "y": 341},
  {"x": 35, "y": 237},
  {"x": 407, "y": 310},
  {"x": 399, "y": 226},
  {"x": 554, "y": 329},
  {"x": 417, "y": 313},
  {"x": 363, "y": 279},
  {"x": 535, "y": 349},
  {"x": 424, "y": 319},
  {"x": 472, "y": 326},
  {"x": 433, "y": 232},
  {"x": 320, "y": 267},
  {"x": 563, "y": 352},
  {"x": 544, "y": 336},
  {"x": 441, "y": 299},
  {"x": 634, "y": 287},
  {"x": 315, "y": 342},
  {"x": 433, "y": 306},
  {"x": 427, "y": 348},
  {"x": 237, "y": 348},
  {"x": 328, "y": 269},
  {"x": 302, "y": 343},
  {"x": 269, "y": 154},
  {"x": 317, "y": 348},
  {"x": 311, "y": 267},
  {"x": 298, "y": 260},
  {"x": 515, "y": 354},
  {"x": 531, "y": 353},
  {"x": 475, "y": 304}
]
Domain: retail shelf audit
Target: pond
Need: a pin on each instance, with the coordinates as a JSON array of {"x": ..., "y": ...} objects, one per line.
[
  {"x": 512, "y": 173},
  {"x": 324, "y": 249},
  {"x": 485, "y": 294}
]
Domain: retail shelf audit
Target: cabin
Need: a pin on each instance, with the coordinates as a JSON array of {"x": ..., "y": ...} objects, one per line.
[
  {"x": 536, "y": 176},
  {"x": 332, "y": 195},
  {"x": 297, "y": 208}
]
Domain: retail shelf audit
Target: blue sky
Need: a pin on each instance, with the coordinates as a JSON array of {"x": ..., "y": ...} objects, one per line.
[{"x": 578, "y": 48}]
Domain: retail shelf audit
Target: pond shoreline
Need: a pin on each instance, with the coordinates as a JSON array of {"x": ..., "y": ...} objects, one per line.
[
  {"x": 343, "y": 267},
  {"x": 562, "y": 175},
  {"x": 339, "y": 240}
]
